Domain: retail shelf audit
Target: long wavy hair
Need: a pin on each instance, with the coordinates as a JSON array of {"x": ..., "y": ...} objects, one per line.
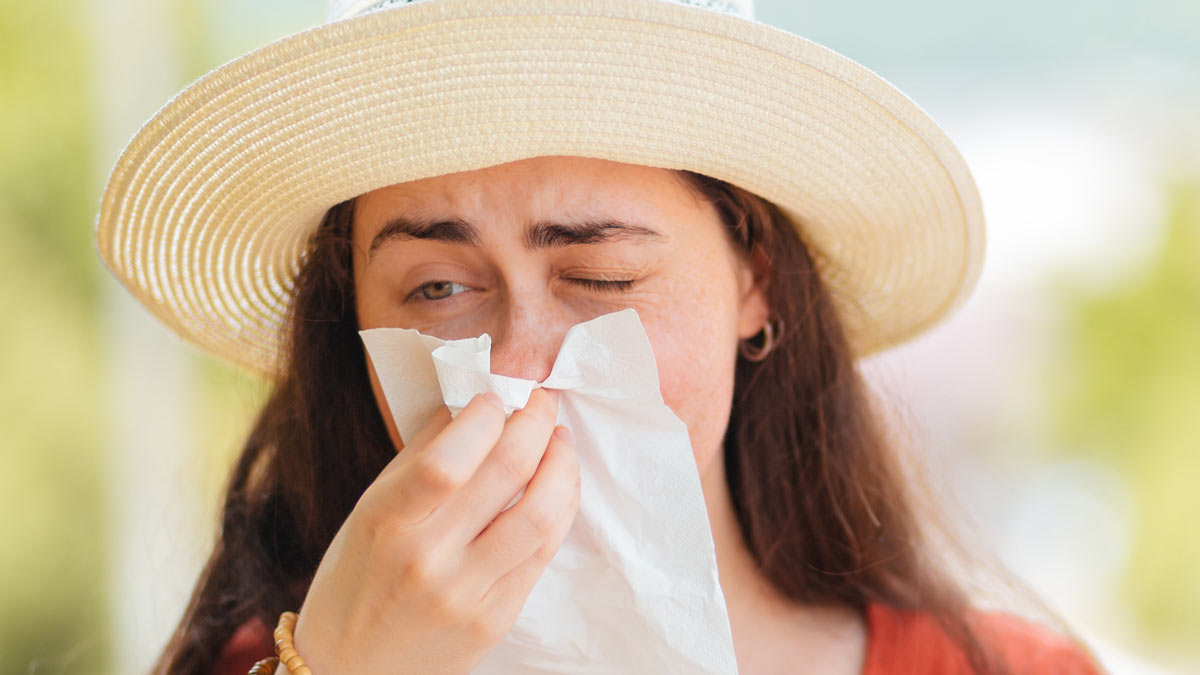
[{"x": 826, "y": 507}]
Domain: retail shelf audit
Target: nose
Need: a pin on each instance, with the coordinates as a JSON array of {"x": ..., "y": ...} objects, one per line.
[{"x": 527, "y": 341}]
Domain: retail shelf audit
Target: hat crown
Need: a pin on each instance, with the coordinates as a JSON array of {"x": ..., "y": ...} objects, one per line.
[{"x": 345, "y": 9}]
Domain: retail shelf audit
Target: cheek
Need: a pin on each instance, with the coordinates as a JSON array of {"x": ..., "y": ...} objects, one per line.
[{"x": 696, "y": 350}]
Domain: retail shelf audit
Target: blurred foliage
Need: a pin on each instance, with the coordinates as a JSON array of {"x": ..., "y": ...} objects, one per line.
[
  {"x": 53, "y": 604},
  {"x": 55, "y": 612},
  {"x": 45, "y": 140},
  {"x": 1127, "y": 392},
  {"x": 53, "y": 564}
]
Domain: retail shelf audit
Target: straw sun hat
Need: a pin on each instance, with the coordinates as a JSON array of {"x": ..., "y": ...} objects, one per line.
[{"x": 206, "y": 214}]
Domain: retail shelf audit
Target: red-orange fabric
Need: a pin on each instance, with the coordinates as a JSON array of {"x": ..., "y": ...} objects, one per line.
[
  {"x": 899, "y": 642},
  {"x": 249, "y": 644},
  {"x": 906, "y": 642}
]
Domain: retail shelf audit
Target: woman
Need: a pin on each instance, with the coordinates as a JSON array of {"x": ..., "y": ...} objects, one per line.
[{"x": 770, "y": 209}]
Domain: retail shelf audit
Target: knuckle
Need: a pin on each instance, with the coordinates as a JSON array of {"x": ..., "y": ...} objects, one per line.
[
  {"x": 419, "y": 570},
  {"x": 513, "y": 470},
  {"x": 436, "y": 474},
  {"x": 484, "y": 629},
  {"x": 443, "y": 608},
  {"x": 545, "y": 553},
  {"x": 387, "y": 531},
  {"x": 367, "y": 525},
  {"x": 542, "y": 522},
  {"x": 381, "y": 533}
]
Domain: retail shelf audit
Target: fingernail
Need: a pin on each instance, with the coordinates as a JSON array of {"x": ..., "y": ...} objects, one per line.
[
  {"x": 563, "y": 434},
  {"x": 495, "y": 399}
]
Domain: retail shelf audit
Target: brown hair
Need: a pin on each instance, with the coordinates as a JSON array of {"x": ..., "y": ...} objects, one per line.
[{"x": 821, "y": 499}]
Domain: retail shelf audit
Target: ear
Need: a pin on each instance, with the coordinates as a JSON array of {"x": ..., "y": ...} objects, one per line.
[{"x": 753, "y": 309}]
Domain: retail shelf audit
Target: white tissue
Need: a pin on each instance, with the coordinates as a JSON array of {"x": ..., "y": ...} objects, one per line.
[{"x": 633, "y": 588}]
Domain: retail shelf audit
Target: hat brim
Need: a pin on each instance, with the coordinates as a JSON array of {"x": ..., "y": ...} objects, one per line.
[{"x": 207, "y": 211}]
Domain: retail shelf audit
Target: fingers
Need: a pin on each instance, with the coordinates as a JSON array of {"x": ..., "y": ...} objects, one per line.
[
  {"x": 507, "y": 558},
  {"x": 431, "y": 471},
  {"x": 400, "y": 575},
  {"x": 505, "y": 471},
  {"x": 433, "y": 426}
]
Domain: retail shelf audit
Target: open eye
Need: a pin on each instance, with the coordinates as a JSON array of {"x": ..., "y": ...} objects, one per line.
[{"x": 436, "y": 290}]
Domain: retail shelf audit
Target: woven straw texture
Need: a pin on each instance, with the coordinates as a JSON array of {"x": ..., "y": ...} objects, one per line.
[{"x": 208, "y": 210}]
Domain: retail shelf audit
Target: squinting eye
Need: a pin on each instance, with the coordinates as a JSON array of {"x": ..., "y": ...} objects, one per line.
[
  {"x": 438, "y": 290},
  {"x": 604, "y": 285}
]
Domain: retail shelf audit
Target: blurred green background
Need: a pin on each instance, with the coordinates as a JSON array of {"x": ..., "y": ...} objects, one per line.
[{"x": 1064, "y": 400}]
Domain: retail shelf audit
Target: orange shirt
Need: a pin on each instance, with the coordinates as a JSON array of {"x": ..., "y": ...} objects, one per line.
[
  {"x": 907, "y": 642},
  {"x": 899, "y": 642}
]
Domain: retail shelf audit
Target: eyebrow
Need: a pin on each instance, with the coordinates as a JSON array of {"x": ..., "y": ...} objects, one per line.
[
  {"x": 454, "y": 231},
  {"x": 542, "y": 234}
]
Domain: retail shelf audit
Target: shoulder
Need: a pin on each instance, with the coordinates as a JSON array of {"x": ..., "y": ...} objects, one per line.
[{"x": 911, "y": 641}]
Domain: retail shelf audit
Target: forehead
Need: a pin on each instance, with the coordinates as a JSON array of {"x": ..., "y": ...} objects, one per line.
[{"x": 536, "y": 189}]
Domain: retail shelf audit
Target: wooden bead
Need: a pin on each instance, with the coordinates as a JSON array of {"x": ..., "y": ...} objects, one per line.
[
  {"x": 265, "y": 667},
  {"x": 285, "y": 647}
]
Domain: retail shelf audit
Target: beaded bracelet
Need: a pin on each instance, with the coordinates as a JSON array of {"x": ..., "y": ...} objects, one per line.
[
  {"x": 265, "y": 667},
  {"x": 284, "y": 649}
]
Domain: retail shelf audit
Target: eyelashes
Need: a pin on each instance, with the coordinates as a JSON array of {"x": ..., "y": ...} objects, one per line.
[{"x": 603, "y": 285}]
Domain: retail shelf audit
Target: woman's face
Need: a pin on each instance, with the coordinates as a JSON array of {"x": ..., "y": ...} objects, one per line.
[{"x": 525, "y": 250}]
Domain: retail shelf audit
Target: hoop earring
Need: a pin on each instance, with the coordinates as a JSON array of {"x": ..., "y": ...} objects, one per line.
[{"x": 758, "y": 354}]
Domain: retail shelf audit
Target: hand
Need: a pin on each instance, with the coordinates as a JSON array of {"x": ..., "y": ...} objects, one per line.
[{"x": 427, "y": 574}]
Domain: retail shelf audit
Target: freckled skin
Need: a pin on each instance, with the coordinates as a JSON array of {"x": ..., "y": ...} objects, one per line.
[{"x": 696, "y": 297}]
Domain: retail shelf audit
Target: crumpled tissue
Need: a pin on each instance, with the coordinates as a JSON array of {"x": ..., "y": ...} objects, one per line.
[{"x": 634, "y": 587}]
